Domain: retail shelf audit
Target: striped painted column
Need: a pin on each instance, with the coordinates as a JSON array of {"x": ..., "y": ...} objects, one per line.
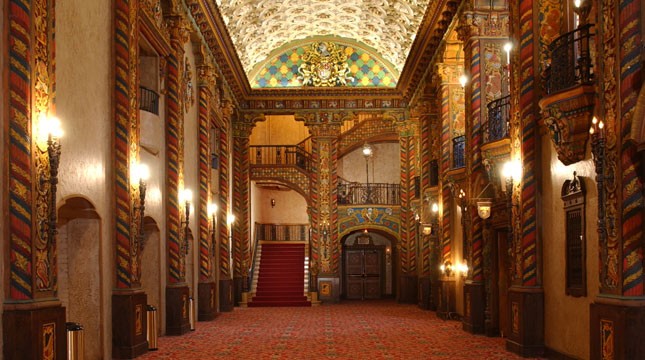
[
  {"x": 241, "y": 197},
  {"x": 19, "y": 152},
  {"x": 174, "y": 156},
  {"x": 631, "y": 68},
  {"x": 126, "y": 121},
  {"x": 408, "y": 133},
  {"x": 526, "y": 249},
  {"x": 224, "y": 169},
  {"x": 425, "y": 141},
  {"x": 206, "y": 83},
  {"x": 445, "y": 166}
]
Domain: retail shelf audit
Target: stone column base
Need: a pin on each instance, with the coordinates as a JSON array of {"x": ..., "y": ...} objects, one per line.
[
  {"x": 473, "y": 320},
  {"x": 206, "y": 307},
  {"x": 245, "y": 300},
  {"x": 526, "y": 337},
  {"x": 313, "y": 296},
  {"x": 34, "y": 331},
  {"x": 129, "y": 324},
  {"x": 226, "y": 295},
  {"x": 616, "y": 329},
  {"x": 177, "y": 303}
]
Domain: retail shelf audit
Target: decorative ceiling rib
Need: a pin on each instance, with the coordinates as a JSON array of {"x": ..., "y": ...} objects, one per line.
[{"x": 433, "y": 25}]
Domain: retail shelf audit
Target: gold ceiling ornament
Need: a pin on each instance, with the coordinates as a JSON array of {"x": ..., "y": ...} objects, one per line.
[{"x": 324, "y": 65}]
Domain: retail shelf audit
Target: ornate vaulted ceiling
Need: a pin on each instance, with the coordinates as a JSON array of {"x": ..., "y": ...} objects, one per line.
[
  {"x": 258, "y": 27},
  {"x": 279, "y": 55}
]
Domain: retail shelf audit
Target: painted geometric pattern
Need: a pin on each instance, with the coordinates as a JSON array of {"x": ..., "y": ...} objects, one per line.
[
  {"x": 365, "y": 130},
  {"x": 240, "y": 203},
  {"x": 365, "y": 70},
  {"x": 224, "y": 245},
  {"x": 354, "y": 218},
  {"x": 632, "y": 201},
  {"x": 528, "y": 257},
  {"x": 123, "y": 113},
  {"x": 408, "y": 223},
  {"x": 20, "y": 153},
  {"x": 204, "y": 181},
  {"x": 288, "y": 175},
  {"x": 174, "y": 128}
]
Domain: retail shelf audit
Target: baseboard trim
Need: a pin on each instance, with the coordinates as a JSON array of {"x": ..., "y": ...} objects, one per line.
[{"x": 553, "y": 354}]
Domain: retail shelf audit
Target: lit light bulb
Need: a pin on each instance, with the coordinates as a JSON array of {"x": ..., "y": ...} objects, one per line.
[
  {"x": 212, "y": 209},
  {"x": 463, "y": 80}
]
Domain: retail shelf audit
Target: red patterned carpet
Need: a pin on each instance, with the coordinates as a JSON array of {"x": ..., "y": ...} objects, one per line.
[{"x": 350, "y": 330}]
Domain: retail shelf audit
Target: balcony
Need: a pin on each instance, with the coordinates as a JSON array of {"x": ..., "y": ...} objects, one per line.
[
  {"x": 567, "y": 110},
  {"x": 148, "y": 100},
  {"x": 498, "y": 124},
  {"x": 285, "y": 155},
  {"x": 352, "y": 193}
]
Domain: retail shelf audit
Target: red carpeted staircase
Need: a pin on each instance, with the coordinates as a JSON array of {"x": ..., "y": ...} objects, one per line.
[{"x": 281, "y": 276}]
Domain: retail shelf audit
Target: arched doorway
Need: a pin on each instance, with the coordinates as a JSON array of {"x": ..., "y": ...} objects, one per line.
[
  {"x": 368, "y": 265},
  {"x": 151, "y": 270},
  {"x": 79, "y": 277}
]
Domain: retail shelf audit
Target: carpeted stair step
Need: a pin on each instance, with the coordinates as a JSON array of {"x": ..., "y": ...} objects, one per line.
[{"x": 281, "y": 276}]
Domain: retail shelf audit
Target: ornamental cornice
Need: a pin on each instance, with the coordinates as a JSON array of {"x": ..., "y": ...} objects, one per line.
[
  {"x": 482, "y": 23},
  {"x": 335, "y": 118},
  {"x": 449, "y": 73}
]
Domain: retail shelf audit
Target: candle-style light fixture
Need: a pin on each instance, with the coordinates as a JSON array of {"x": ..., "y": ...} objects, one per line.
[
  {"x": 140, "y": 174},
  {"x": 598, "y": 150},
  {"x": 368, "y": 151},
  {"x": 186, "y": 198},
  {"x": 211, "y": 209},
  {"x": 50, "y": 133},
  {"x": 446, "y": 268},
  {"x": 463, "y": 80}
]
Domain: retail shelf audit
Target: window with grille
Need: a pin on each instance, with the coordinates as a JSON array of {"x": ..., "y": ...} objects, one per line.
[{"x": 573, "y": 196}]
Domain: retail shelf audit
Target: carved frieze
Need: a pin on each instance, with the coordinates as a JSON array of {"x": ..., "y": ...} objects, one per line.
[{"x": 567, "y": 116}]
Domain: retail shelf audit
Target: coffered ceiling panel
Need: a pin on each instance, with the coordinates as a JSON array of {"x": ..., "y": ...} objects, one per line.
[{"x": 258, "y": 27}]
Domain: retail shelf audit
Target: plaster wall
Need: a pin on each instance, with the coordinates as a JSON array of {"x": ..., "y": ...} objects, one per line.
[
  {"x": 290, "y": 207},
  {"x": 457, "y": 251},
  {"x": 150, "y": 273},
  {"x": 83, "y": 104},
  {"x": 384, "y": 165},
  {"x": 191, "y": 171},
  {"x": 153, "y": 154},
  {"x": 566, "y": 318},
  {"x": 278, "y": 130},
  {"x": 79, "y": 283}
]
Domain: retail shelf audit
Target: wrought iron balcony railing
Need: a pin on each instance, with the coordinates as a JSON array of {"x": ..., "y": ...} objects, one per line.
[
  {"x": 281, "y": 155},
  {"x": 497, "y": 126},
  {"x": 148, "y": 100},
  {"x": 459, "y": 152},
  {"x": 571, "y": 63},
  {"x": 351, "y": 193}
]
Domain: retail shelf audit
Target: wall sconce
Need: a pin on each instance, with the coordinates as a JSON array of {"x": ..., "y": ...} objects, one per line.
[
  {"x": 435, "y": 208},
  {"x": 272, "y": 203},
  {"x": 446, "y": 268},
  {"x": 50, "y": 133},
  {"x": 483, "y": 209},
  {"x": 230, "y": 219},
  {"x": 141, "y": 173},
  {"x": 462, "y": 269},
  {"x": 511, "y": 171},
  {"x": 211, "y": 209},
  {"x": 484, "y": 202},
  {"x": 463, "y": 80},
  {"x": 582, "y": 8},
  {"x": 507, "y": 48},
  {"x": 186, "y": 197},
  {"x": 426, "y": 229}
]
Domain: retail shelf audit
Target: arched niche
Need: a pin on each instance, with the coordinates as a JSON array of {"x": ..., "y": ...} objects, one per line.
[
  {"x": 151, "y": 265},
  {"x": 79, "y": 262}
]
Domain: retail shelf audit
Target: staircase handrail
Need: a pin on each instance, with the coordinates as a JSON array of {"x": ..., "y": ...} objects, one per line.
[
  {"x": 253, "y": 255},
  {"x": 280, "y": 155}
]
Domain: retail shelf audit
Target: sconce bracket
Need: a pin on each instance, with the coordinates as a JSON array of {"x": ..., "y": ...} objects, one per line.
[{"x": 567, "y": 116}]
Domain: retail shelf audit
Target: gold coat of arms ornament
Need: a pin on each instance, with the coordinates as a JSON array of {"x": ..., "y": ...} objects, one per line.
[{"x": 324, "y": 64}]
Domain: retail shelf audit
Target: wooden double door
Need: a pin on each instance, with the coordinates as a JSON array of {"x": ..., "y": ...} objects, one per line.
[{"x": 364, "y": 272}]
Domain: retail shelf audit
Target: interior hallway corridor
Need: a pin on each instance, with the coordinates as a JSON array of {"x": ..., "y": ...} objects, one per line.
[{"x": 350, "y": 330}]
